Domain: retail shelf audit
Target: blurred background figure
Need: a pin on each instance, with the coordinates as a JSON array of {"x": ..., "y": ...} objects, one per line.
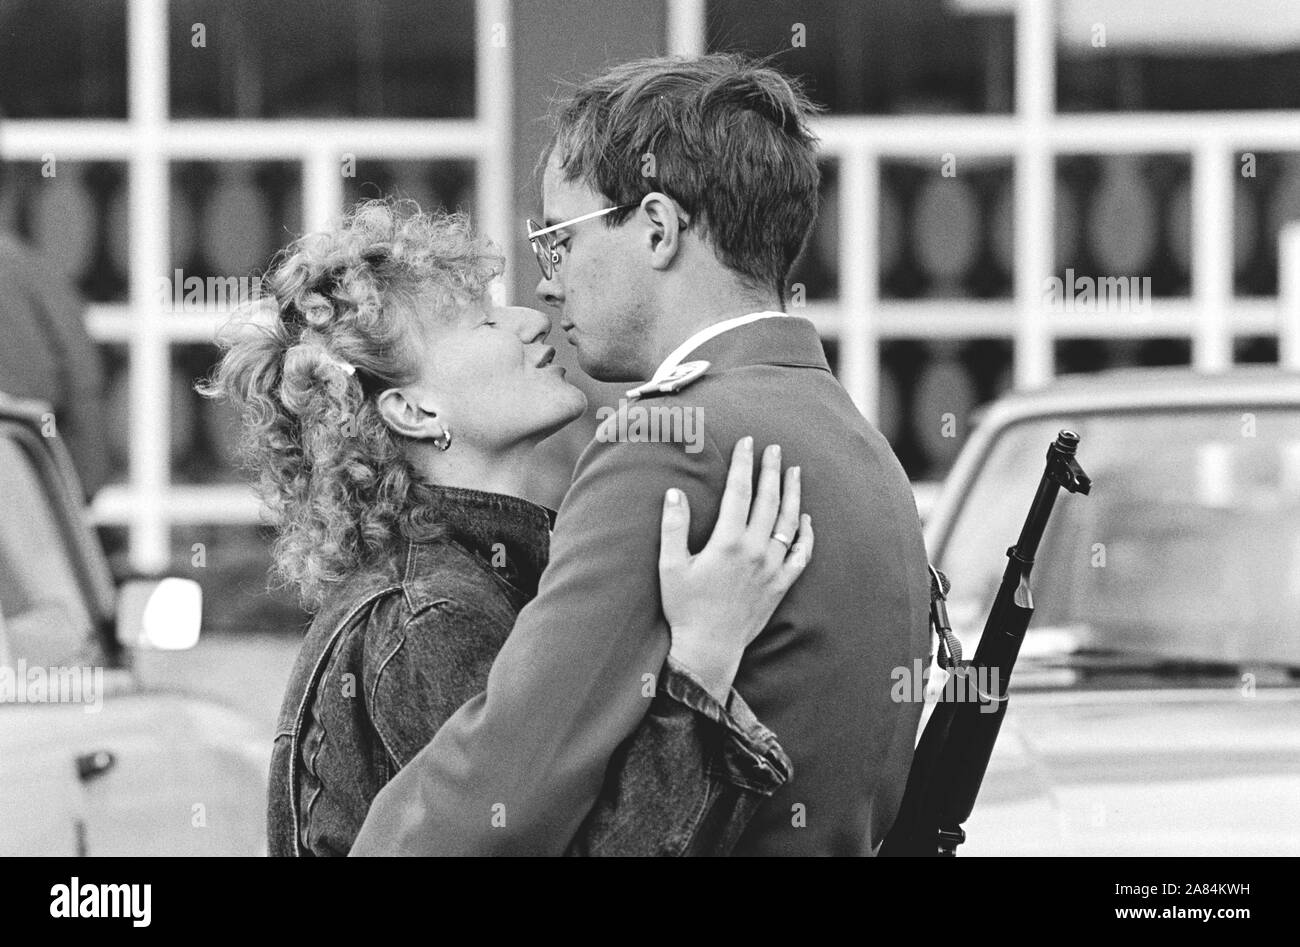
[{"x": 47, "y": 355}]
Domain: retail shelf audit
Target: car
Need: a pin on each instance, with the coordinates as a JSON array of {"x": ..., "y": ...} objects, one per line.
[
  {"x": 93, "y": 761},
  {"x": 1155, "y": 708}
]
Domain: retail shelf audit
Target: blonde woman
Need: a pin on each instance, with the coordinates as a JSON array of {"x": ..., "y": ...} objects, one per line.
[{"x": 389, "y": 412}]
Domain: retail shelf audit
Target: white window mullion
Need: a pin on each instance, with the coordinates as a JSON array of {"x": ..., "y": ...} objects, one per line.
[
  {"x": 150, "y": 363},
  {"x": 1034, "y": 188},
  {"x": 1212, "y": 258},
  {"x": 686, "y": 27},
  {"x": 1288, "y": 296},
  {"x": 322, "y": 189},
  {"x": 859, "y": 267},
  {"x": 494, "y": 109}
]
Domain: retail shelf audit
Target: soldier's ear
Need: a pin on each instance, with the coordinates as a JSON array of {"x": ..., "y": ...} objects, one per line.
[{"x": 664, "y": 228}]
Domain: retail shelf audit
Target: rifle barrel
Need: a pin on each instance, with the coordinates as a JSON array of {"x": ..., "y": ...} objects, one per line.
[{"x": 953, "y": 753}]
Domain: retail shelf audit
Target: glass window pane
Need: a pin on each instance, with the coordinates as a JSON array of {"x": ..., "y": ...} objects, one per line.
[
  {"x": 815, "y": 273},
  {"x": 1267, "y": 199},
  {"x": 75, "y": 214},
  {"x": 1178, "y": 55},
  {"x": 204, "y": 432},
  {"x": 1122, "y": 217},
  {"x": 116, "y": 360},
  {"x": 879, "y": 57},
  {"x": 371, "y": 58},
  {"x": 1093, "y": 354},
  {"x": 434, "y": 185},
  {"x": 1255, "y": 349},
  {"x": 929, "y": 390},
  {"x": 228, "y": 219},
  {"x": 239, "y": 593},
  {"x": 63, "y": 58},
  {"x": 946, "y": 235}
]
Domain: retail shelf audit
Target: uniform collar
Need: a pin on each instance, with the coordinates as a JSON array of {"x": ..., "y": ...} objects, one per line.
[
  {"x": 788, "y": 340},
  {"x": 678, "y": 355}
]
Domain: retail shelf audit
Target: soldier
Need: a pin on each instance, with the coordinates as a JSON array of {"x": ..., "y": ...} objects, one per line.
[{"x": 677, "y": 194}]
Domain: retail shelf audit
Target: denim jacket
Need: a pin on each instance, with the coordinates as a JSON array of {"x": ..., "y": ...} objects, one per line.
[{"x": 398, "y": 647}]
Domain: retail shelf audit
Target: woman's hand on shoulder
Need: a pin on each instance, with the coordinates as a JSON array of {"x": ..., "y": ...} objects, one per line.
[{"x": 717, "y": 601}]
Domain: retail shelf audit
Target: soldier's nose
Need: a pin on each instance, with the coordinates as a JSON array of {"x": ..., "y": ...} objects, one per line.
[{"x": 550, "y": 292}]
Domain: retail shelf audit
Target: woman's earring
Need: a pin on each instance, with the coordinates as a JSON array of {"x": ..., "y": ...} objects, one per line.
[{"x": 442, "y": 443}]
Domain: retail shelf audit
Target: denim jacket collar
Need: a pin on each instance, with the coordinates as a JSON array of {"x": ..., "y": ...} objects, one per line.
[{"x": 510, "y": 535}]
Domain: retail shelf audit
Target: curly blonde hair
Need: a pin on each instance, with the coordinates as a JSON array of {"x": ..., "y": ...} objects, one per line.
[{"x": 335, "y": 478}]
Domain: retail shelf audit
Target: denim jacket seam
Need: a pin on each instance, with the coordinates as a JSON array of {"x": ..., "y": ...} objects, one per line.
[
  {"x": 312, "y": 682},
  {"x": 304, "y": 831},
  {"x": 374, "y": 697},
  {"x": 379, "y": 673},
  {"x": 407, "y": 579}
]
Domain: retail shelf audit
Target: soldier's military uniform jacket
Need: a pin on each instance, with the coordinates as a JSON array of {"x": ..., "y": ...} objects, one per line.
[{"x": 517, "y": 768}]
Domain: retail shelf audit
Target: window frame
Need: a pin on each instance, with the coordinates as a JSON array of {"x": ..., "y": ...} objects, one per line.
[
  {"x": 1212, "y": 317},
  {"x": 149, "y": 141}
]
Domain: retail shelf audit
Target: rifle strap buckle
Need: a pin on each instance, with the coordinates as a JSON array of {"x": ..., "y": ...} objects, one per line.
[
  {"x": 950, "y": 658},
  {"x": 949, "y": 647}
]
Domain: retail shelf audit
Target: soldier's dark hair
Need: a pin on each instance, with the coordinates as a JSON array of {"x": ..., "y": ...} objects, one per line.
[{"x": 725, "y": 136}]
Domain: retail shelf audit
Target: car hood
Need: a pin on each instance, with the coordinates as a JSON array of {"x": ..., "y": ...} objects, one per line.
[
  {"x": 1145, "y": 772},
  {"x": 188, "y": 778}
]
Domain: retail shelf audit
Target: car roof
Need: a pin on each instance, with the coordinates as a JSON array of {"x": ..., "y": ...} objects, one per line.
[
  {"x": 66, "y": 497},
  {"x": 1137, "y": 388},
  {"x": 1112, "y": 392}
]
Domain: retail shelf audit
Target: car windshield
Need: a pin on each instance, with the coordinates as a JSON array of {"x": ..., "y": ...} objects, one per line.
[{"x": 1187, "y": 549}]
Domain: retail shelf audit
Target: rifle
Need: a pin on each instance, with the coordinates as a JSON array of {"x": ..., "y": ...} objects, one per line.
[{"x": 953, "y": 752}]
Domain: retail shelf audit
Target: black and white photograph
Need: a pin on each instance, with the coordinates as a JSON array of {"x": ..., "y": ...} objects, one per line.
[{"x": 623, "y": 428}]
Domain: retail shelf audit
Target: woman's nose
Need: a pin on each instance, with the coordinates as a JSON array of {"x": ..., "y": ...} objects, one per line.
[{"x": 531, "y": 324}]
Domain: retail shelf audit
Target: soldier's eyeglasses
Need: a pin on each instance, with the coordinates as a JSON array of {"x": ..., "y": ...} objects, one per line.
[{"x": 547, "y": 249}]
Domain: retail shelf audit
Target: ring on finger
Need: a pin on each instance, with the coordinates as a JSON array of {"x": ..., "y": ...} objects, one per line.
[{"x": 779, "y": 537}]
